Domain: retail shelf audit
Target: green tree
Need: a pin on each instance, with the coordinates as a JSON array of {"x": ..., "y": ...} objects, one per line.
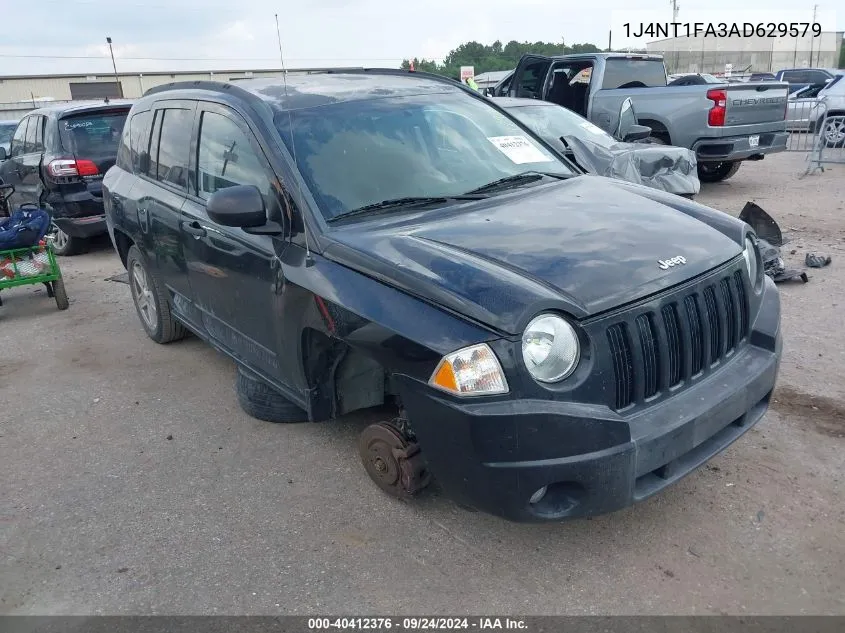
[
  {"x": 486, "y": 58},
  {"x": 841, "y": 56}
]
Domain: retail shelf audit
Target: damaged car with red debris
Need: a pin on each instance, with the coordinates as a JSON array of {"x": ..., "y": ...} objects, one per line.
[{"x": 542, "y": 343}]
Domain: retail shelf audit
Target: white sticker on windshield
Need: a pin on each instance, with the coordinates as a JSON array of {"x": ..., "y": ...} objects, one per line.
[
  {"x": 591, "y": 128},
  {"x": 519, "y": 149}
]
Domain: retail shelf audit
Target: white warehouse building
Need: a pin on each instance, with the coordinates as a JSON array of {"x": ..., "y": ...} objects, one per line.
[
  {"x": 752, "y": 54},
  {"x": 20, "y": 94}
]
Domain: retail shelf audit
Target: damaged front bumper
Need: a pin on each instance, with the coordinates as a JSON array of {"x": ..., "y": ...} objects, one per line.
[{"x": 582, "y": 459}]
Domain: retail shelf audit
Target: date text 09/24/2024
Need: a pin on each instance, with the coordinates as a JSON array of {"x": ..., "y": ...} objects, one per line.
[
  {"x": 722, "y": 29},
  {"x": 416, "y": 623}
]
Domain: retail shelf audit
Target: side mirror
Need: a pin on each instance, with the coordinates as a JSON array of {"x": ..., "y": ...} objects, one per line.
[
  {"x": 3, "y": 153},
  {"x": 627, "y": 119},
  {"x": 241, "y": 206},
  {"x": 637, "y": 133}
]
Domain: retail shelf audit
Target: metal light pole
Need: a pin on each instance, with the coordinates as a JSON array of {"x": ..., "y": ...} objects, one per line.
[{"x": 114, "y": 66}]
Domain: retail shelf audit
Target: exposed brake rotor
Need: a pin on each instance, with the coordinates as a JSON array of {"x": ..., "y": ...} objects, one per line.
[{"x": 392, "y": 461}]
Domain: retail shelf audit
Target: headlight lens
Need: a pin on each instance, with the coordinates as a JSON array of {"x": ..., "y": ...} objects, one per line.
[
  {"x": 550, "y": 348},
  {"x": 472, "y": 371},
  {"x": 751, "y": 262}
]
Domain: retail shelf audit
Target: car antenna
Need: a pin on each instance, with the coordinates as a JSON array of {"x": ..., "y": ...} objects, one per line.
[{"x": 308, "y": 260}]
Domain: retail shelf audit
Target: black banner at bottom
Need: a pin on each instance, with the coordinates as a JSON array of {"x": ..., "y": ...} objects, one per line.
[{"x": 532, "y": 624}]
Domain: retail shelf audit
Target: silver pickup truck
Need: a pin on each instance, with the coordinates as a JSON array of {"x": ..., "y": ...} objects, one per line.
[{"x": 724, "y": 124}]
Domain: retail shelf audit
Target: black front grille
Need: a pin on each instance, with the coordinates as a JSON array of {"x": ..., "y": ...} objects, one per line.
[{"x": 659, "y": 346}]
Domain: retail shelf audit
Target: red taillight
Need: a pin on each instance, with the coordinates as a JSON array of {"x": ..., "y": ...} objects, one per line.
[
  {"x": 716, "y": 115},
  {"x": 86, "y": 167},
  {"x": 64, "y": 167}
]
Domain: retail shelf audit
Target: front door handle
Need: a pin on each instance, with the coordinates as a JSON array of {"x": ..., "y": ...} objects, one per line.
[{"x": 193, "y": 228}]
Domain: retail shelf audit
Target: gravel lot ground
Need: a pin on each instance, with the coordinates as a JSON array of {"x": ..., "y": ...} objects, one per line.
[{"x": 101, "y": 512}]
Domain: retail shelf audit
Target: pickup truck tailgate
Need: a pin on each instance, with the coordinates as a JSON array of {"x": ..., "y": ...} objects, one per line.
[{"x": 756, "y": 102}]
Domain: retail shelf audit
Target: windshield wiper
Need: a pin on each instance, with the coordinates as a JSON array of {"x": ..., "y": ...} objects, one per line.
[
  {"x": 517, "y": 179},
  {"x": 394, "y": 203}
]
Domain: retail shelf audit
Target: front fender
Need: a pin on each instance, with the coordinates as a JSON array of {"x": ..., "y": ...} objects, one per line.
[{"x": 403, "y": 334}]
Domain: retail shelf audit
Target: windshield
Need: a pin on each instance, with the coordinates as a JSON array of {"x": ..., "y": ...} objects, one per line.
[
  {"x": 6, "y": 131},
  {"x": 552, "y": 121},
  {"x": 359, "y": 153},
  {"x": 92, "y": 134}
]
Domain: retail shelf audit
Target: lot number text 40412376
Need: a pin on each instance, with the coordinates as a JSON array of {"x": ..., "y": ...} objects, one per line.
[{"x": 417, "y": 624}]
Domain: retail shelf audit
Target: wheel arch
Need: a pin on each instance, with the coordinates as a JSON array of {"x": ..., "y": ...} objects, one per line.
[
  {"x": 349, "y": 353},
  {"x": 658, "y": 128},
  {"x": 122, "y": 243}
]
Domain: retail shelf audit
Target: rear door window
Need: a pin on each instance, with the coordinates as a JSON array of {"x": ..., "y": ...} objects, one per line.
[
  {"x": 633, "y": 73},
  {"x": 19, "y": 138},
  {"x": 139, "y": 138},
  {"x": 174, "y": 146},
  {"x": 92, "y": 134},
  {"x": 816, "y": 77},
  {"x": 31, "y": 131}
]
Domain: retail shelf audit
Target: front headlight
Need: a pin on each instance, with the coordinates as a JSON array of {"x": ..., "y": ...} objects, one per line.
[
  {"x": 752, "y": 262},
  {"x": 472, "y": 371},
  {"x": 550, "y": 348}
]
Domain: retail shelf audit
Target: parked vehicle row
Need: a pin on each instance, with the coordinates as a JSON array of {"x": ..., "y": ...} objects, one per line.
[
  {"x": 57, "y": 158},
  {"x": 724, "y": 124},
  {"x": 551, "y": 344},
  {"x": 7, "y": 129}
]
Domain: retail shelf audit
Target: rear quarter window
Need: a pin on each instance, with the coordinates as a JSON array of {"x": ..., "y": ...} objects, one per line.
[
  {"x": 633, "y": 73},
  {"x": 92, "y": 134},
  {"x": 139, "y": 139}
]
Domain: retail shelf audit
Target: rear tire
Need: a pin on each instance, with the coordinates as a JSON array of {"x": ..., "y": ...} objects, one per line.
[
  {"x": 716, "y": 172},
  {"x": 151, "y": 301},
  {"x": 60, "y": 294},
  {"x": 262, "y": 402},
  {"x": 66, "y": 245}
]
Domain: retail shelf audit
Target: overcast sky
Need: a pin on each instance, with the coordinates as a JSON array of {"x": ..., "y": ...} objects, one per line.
[{"x": 227, "y": 34}]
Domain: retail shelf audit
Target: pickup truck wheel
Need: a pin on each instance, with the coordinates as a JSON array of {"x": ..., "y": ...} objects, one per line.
[
  {"x": 66, "y": 245},
  {"x": 716, "y": 172},
  {"x": 262, "y": 402},
  {"x": 151, "y": 301},
  {"x": 656, "y": 140}
]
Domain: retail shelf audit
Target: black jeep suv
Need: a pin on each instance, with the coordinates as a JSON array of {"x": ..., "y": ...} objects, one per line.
[
  {"x": 57, "y": 160},
  {"x": 553, "y": 344}
]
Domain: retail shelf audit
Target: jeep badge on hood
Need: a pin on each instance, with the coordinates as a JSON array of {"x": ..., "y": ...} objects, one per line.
[{"x": 668, "y": 263}]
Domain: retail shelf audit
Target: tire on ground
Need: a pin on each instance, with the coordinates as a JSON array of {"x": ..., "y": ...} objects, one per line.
[
  {"x": 167, "y": 328},
  {"x": 60, "y": 294},
  {"x": 66, "y": 245},
  {"x": 262, "y": 402},
  {"x": 716, "y": 172}
]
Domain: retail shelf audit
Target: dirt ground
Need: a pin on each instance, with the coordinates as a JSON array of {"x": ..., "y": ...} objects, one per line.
[{"x": 131, "y": 482}]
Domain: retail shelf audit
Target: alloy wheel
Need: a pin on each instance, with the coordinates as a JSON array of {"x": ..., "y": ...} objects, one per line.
[
  {"x": 834, "y": 133},
  {"x": 143, "y": 295},
  {"x": 60, "y": 238}
]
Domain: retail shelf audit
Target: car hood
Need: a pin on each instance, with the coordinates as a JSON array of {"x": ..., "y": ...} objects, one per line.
[{"x": 582, "y": 246}]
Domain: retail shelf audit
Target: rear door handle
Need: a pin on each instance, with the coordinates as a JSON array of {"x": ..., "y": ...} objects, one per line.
[{"x": 193, "y": 228}]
